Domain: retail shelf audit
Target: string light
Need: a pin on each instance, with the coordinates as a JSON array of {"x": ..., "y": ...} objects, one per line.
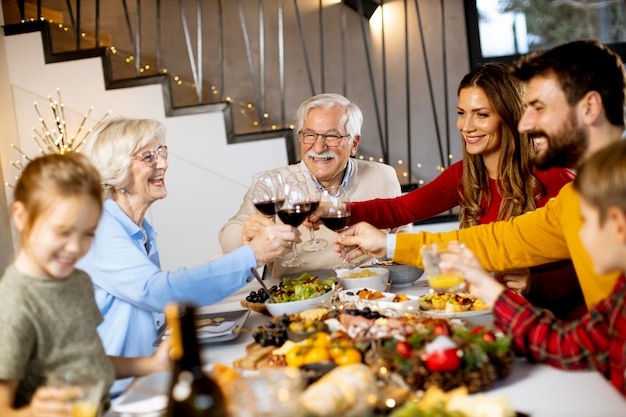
[{"x": 55, "y": 136}]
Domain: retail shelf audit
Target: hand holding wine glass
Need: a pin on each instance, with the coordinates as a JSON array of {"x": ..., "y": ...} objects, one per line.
[
  {"x": 334, "y": 212},
  {"x": 296, "y": 207},
  {"x": 267, "y": 192},
  {"x": 315, "y": 194}
]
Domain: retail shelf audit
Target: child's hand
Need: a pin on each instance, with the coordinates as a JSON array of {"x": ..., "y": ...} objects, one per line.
[
  {"x": 50, "y": 402},
  {"x": 161, "y": 358},
  {"x": 481, "y": 283}
]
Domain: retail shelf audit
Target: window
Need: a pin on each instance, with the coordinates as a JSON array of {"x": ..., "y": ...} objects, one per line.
[{"x": 502, "y": 30}]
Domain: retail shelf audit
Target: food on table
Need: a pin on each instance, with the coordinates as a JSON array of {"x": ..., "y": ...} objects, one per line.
[
  {"x": 310, "y": 320},
  {"x": 365, "y": 294},
  {"x": 345, "y": 390},
  {"x": 436, "y": 402},
  {"x": 302, "y": 288},
  {"x": 452, "y": 303},
  {"x": 362, "y": 273},
  {"x": 255, "y": 354},
  {"x": 400, "y": 298},
  {"x": 273, "y": 332}
]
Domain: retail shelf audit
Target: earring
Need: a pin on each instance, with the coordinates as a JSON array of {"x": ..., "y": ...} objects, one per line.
[{"x": 122, "y": 190}]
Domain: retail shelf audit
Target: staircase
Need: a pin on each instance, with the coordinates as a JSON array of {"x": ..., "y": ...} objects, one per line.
[{"x": 254, "y": 62}]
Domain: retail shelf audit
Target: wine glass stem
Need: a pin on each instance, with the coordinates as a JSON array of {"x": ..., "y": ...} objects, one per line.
[
  {"x": 313, "y": 236},
  {"x": 295, "y": 252}
]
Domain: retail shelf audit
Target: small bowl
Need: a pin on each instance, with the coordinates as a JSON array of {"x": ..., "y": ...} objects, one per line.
[
  {"x": 293, "y": 307},
  {"x": 378, "y": 282},
  {"x": 400, "y": 275}
]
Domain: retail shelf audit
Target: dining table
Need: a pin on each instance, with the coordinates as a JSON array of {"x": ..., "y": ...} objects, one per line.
[{"x": 532, "y": 389}]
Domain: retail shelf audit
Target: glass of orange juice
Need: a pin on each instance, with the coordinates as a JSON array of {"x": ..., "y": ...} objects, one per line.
[
  {"x": 82, "y": 390},
  {"x": 442, "y": 280}
]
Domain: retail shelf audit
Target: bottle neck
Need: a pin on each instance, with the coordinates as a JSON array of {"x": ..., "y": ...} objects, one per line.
[{"x": 185, "y": 350}]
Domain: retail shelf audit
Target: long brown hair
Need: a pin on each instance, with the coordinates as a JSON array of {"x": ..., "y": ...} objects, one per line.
[{"x": 517, "y": 184}]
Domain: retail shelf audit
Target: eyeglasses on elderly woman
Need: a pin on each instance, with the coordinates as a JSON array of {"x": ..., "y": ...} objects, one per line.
[{"x": 150, "y": 157}]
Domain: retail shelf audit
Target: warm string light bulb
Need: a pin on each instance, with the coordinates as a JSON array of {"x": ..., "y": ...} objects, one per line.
[{"x": 55, "y": 136}]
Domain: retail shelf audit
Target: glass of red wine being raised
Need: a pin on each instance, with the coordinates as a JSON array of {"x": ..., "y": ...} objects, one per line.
[
  {"x": 334, "y": 212},
  {"x": 268, "y": 192},
  {"x": 294, "y": 210},
  {"x": 314, "y": 244}
]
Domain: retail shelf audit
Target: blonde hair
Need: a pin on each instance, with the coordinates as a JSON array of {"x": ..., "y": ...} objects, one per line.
[
  {"x": 517, "y": 184},
  {"x": 112, "y": 147},
  {"x": 50, "y": 178},
  {"x": 601, "y": 180}
]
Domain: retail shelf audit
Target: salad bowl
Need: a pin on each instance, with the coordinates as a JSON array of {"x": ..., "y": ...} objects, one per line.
[
  {"x": 294, "y": 295},
  {"x": 293, "y": 307}
]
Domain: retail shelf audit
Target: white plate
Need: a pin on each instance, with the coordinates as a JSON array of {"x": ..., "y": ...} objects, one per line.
[
  {"x": 227, "y": 329},
  {"x": 412, "y": 304}
]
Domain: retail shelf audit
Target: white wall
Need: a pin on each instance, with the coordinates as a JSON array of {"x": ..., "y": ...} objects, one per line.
[{"x": 206, "y": 177}]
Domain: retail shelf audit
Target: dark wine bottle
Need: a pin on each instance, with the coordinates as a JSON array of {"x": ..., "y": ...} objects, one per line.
[{"x": 192, "y": 392}]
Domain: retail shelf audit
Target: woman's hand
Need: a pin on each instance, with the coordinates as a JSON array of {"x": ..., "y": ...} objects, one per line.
[
  {"x": 51, "y": 402},
  {"x": 273, "y": 241},
  {"x": 481, "y": 283},
  {"x": 360, "y": 239}
]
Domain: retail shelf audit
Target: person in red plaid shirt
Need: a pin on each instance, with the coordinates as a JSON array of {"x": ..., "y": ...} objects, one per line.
[{"x": 598, "y": 339}]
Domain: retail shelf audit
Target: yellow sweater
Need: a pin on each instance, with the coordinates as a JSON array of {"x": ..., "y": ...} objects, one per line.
[{"x": 545, "y": 235}]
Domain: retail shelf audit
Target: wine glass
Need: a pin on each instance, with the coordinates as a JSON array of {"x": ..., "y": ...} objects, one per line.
[
  {"x": 443, "y": 280},
  {"x": 296, "y": 207},
  {"x": 315, "y": 194},
  {"x": 334, "y": 212},
  {"x": 268, "y": 192}
]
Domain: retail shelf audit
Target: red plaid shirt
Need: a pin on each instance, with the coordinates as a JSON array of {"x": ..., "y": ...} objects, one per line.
[{"x": 595, "y": 341}]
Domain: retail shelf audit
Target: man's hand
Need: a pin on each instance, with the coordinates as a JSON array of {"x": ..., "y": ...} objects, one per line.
[{"x": 253, "y": 226}]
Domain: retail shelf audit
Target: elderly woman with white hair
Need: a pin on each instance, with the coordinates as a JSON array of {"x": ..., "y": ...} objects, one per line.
[{"x": 131, "y": 289}]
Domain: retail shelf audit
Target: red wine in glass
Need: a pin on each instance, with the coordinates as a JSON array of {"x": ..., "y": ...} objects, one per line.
[
  {"x": 336, "y": 223},
  {"x": 294, "y": 216},
  {"x": 269, "y": 208}
]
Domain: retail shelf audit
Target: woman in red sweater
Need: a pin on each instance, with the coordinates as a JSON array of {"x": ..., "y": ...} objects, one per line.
[{"x": 494, "y": 181}]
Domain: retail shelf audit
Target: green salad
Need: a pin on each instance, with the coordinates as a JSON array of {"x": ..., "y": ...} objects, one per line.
[{"x": 302, "y": 288}]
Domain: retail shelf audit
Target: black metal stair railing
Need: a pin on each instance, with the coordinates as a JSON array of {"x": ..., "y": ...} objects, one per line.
[{"x": 256, "y": 60}]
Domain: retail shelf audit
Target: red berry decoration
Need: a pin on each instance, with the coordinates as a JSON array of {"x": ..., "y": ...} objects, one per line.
[
  {"x": 404, "y": 349},
  {"x": 440, "y": 329},
  {"x": 478, "y": 329},
  {"x": 489, "y": 337},
  {"x": 442, "y": 355}
]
